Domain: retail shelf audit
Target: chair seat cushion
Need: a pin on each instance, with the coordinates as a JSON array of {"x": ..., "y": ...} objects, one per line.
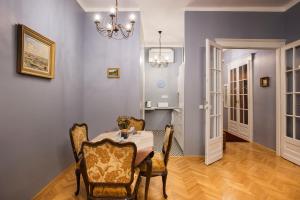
[
  {"x": 158, "y": 164},
  {"x": 101, "y": 191}
]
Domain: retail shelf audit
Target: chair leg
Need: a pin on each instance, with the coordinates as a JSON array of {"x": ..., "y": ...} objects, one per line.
[
  {"x": 164, "y": 180},
  {"x": 77, "y": 173}
]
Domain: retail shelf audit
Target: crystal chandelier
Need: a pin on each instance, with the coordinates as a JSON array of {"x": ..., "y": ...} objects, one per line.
[
  {"x": 110, "y": 27},
  {"x": 160, "y": 60}
]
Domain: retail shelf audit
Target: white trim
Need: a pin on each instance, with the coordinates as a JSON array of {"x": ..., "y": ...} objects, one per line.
[
  {"x": 278, "y": 100},
  {"x": 290, "y": 5},
  {"x": 265, "y": 44},
  {"x": 87, "y": 8},
  {"x": 236, "y": 9},
  {"x": 250, "y": 97},
  {"x": 174, "y": 45},
  {"x": 99, "y": 9},
  {"x": 204, "y": 8},
  {"x": 283, "y": 8},
  {"x": 251, "y": 43}
]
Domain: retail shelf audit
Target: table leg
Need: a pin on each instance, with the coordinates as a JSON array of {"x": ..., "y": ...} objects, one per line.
[{"x": 149, "y": 173}]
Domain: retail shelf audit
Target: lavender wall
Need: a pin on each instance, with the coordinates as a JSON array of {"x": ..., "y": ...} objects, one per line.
[
  {"x": 37, "y": 113},
  {"x": 198, "y": 27},
  {"x": 264, "y": 99},
  {"x": 292, "y": 17},
  {"x": 264, "y": 64},
  {"x": 105, "y": 99}
]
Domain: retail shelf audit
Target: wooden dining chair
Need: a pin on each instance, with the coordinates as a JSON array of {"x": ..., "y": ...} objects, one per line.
[
  {"x": 138, "y": 124},
  {"x": 78, "y": 134},
  {"x": 160, "y": 159},
  {"x": 108, "y": 170}
]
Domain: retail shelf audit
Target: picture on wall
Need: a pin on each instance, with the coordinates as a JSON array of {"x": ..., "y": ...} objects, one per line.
[
  {"x": 113, "y": 73},
  {"x": 36, "y": 53},
  {"x": 265, "y": 82}
]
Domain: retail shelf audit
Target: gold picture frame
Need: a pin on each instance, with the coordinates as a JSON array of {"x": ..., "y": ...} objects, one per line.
[
  {"x": 113, "y": 72},
  {"x": 36, "y": 53},
  {"x": 265, "y": 82}
]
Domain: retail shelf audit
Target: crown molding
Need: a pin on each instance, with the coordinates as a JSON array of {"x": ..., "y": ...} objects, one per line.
[
  {"x": 246, "y": 9},
  {"x": 291, "y": 4},
  {"x": 107, "y": 9},
  {"x": 101, "y": 9},
  {"x": 220, "y": 9}
]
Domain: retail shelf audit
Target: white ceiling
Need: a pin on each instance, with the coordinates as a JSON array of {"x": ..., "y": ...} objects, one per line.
[{"x": 168, "y": 15}]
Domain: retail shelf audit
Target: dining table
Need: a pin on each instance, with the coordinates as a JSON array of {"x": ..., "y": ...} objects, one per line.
[{"x": 145, "y": 149}]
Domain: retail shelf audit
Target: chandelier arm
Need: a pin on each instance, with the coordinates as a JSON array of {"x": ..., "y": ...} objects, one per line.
[
  {"x": 117, "y": 31},
  {"x": 124, "y": 32}
]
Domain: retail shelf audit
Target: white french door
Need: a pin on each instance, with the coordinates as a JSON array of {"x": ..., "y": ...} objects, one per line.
[
  {"x": 290, "y": 138},
  {"x": 239, "y": 92},
  {"x": 214, "y": 103}
]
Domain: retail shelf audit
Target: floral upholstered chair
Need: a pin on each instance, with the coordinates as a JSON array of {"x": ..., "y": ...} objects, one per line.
[
  {"x": 78, "y": 134},
  {"x": 125, "y": 122},
  {"x": 138, "y": 124},
  {"x": 160, "y": 159},
  {"x": 108, "y": 170}
]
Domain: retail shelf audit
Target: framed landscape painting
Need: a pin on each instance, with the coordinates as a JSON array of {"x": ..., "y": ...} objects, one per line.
[
  {"x": 36, "y": 53},
  {"x": 113, "y": 73}
]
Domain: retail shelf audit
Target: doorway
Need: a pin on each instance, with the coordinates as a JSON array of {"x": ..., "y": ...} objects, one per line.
[
  {"x": 249, "y": 78},
  {"x": 164, "y": 95},
  {"x": 287, "y": 69}
]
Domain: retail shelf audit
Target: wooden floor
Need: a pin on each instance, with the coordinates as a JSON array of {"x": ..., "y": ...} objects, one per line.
[{"x": 247, "y": 171}]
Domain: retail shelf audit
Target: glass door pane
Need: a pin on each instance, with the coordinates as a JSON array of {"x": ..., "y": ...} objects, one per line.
[
  {"x": 245, "y": 86},
  {"x": 246, "y": 101},
  {"x": 298, "y": 128},
  {"x": 297, "y": 57},
  {"x": 246, "y": 117},
  {"x": 297, "y": 79},
  {"x": 245, "y": 72},
  {"x": 289, "y": 82},
  {"x": 298, "y": 105},
  {"x": 289, "y": 59},
  {"x": 289, "y": 104},
  {"x": 241, "y": 116},
  {"x": 289, "y": 127}
]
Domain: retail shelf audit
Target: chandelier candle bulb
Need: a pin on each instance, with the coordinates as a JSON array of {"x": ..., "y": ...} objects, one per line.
[
  {"x": 113, "y": 11},
  {"x": 111, "y": 28},
  {"x": 132, "y": 18},
  {"x": 128, "y": 27},
  {"x": 97, "y": 18}
]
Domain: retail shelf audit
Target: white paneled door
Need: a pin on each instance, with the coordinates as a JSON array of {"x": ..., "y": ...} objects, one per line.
[
  {"x": 214, "y": 103},
  {"x": 290, "y": 138}
]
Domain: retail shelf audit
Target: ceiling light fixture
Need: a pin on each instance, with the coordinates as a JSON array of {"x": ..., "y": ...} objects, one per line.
[
  {"x": 111, "y": 28},
  {"x": 160, "y": 60}
]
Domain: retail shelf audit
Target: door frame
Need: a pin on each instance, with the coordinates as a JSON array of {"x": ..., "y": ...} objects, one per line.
[
  {"x": 241, "y": 61},
  {"x": 274, "y": 44}
]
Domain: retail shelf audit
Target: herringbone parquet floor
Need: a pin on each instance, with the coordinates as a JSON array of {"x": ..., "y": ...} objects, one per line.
[{"x": 247, "y": 171}]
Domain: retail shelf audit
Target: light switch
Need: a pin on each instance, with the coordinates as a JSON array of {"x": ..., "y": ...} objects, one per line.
[
  {"x": 201, "y": 107},
  {"x": 164, "y": 96}
]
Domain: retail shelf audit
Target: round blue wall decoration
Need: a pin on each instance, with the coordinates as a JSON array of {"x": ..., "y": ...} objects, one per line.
[{"x": 161, "y": 84}]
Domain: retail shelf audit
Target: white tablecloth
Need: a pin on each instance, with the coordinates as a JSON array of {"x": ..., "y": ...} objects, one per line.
[{"x": 142, "y": 140}]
